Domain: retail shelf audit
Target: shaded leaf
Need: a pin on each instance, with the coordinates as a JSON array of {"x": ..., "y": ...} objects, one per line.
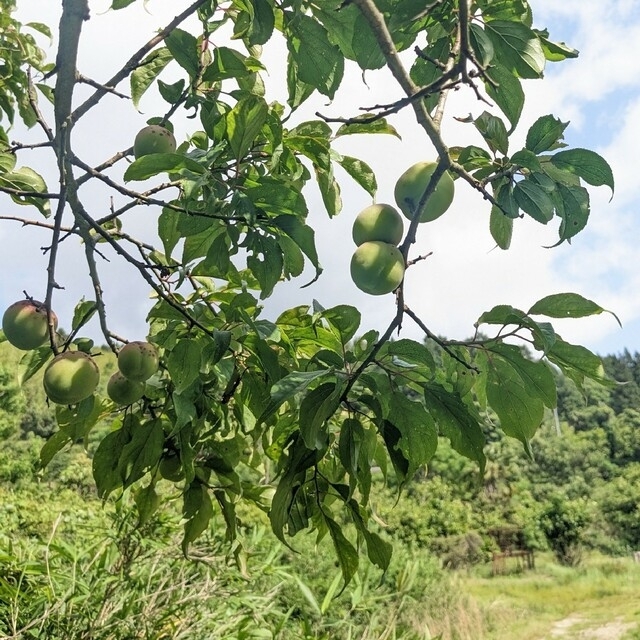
[
  {"x": 590, "y": 166},
  {"x": 244, "y": 122},
  {"x": 506, "y": 91},
  {"x": 520, "y": 413},
  {"x": 457, "y": 422},
  {"x": 418, "y": 435},
  {"x": 517, "y": 47},
  {"x": 545, "y": 133},
  {"x": 288, "y": 387},
  {"x": 184, "y": 49}
]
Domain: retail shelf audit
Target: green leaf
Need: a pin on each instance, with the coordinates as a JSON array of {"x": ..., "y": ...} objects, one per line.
[
  {"x": 507, "y": 315},
  {"x": 590, "y": 166},
  {"x": 568, "y": 305},
  {"x": 520, "y": 413},
  {"x": 506, "y": 91},
  {"x": 27, "y": 180},
  {"x": 577, "y": 362},
  {"x": 184, "y": 49},
  {"x": 268, "y": 268},
  {"x": 376, "y": 126},
  {"x": 493, "y": 131},
  {"x": 425, "y": 70},
  {"x": 361, "y": 172},
  {"x": 319, "y": 63},
  {"x": 528, "y": 160},
  {"x": 7, "y": 162},
  {"x": 545, "y": 133},
  {"x": 300, "y": 459},
  {"x": 346, "y": 552},
  {"x": 143, "y": 76},
  {"x": 517, "y": 47},
  {"x": 503, "y": 193},
  {"x": 501, "y": 228},
  {"x": 345, "y": 319},
  {"x": 572, "y": 205},
  {"x": 471, "y": 157},
  {"x": 168, "y": 230},
  {"x": 534, "y": 200},
  {"x": 288, "y": 387},
  {"x": 198, "y": 511},
  {"x": 229, "y": 63},
  {"x": 262, "y": 24},
  {"x": 350, "y": 31},
  {"x": 244, "y": 123},
  {"x": 536, "y": 376},
  {"x": 171, "y": 92},
  {"x": 32, "y": 361},
  {"x": 481, "y": 44},
  {"x": 147, "y": 501},
  {"x": 151, "y": 165},
  {"x": 141, "y": 452},
  {"x": 216, "y": 347},
  {"x": 302, "y": 235},
  {"x": 183, "y": 363},
  {"x": 106, "y": 458},
  {"x": 298, "y": 91},
  {"x": 555, "y": 51},
  {"x": 559, "y": 176},
  {"x": 378, "y": 550},
  {"x": 121, "y": 4},
  {"x": 83, "y": 312},
  {"x": 293, "y": 260},
  {"x": 410, "y": 351},
  {"x": 457, "y": 422},
  {"x": 329, "y": 190},
  {"x": 53, "y": 445},
  {"x": 315, "y": 409},
  {"x": 418, "y": 435},
  {"x": 352, "y": 437}
]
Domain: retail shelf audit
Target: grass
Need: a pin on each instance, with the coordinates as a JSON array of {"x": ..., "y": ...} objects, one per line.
[{"x": 525, "y": 605}]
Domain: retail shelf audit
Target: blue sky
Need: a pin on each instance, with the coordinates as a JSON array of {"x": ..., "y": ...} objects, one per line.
[{"x": 599, "y": 93}]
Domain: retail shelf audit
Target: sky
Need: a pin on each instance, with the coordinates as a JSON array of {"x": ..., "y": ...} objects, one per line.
[{"x": 599, "y": 93}]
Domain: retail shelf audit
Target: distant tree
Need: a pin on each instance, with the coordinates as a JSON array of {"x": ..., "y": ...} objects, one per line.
[
  {"x": 625, "y": 368},
  {"x": 564, "y": 523}
]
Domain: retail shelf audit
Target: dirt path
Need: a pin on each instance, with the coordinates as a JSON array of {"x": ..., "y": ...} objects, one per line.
[{"x": 611, "y": 631}]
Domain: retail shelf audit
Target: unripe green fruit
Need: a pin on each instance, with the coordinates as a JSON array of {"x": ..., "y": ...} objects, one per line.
[
  {"x": 124, "y": 391},
  {"x": 413, "y": 183},
  {"x": 71, "y": 377},
  {"x": 25, "y": 324},
  {"x": 377, "y": 268},
  {"x": 170, "y": 468},
  {"x": 138, "y": 361},
  {"x": 153, "y": 139},
  {"x": 379, "y": 222}
]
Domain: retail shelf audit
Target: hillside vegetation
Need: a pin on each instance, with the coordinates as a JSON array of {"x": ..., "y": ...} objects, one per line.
[{"x": 71, "y": 567}]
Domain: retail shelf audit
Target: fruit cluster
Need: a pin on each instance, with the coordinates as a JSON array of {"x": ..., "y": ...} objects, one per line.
[
  {"x": 73, "y": 376},
  {"x": 377, "y": 266}
]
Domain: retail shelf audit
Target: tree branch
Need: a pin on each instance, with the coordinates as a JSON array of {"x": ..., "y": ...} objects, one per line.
[{"x": 133, "y": 62}]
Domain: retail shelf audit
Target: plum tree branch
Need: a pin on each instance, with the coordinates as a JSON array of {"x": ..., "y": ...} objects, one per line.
[{"x": 134, "y": 61}]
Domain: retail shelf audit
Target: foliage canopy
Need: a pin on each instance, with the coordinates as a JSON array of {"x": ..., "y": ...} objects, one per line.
[{"x": 292, "y": 414}]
